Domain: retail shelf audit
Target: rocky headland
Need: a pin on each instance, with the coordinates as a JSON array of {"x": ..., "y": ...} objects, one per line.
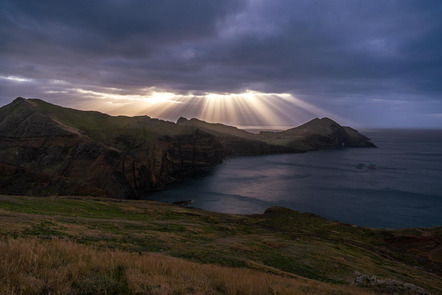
[{"x": 51, "y": 150}]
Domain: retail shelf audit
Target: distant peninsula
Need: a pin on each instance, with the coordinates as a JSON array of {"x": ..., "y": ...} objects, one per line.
[{"x": 46, "y": 149}]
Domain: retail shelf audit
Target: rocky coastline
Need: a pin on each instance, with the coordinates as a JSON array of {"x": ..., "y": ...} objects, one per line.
[{"x": 51, "y": 150}]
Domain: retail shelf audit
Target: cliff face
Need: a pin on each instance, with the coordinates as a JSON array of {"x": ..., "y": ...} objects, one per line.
[
  {"x": 317, "y": 134},
  {"x": 50, "y": 150},
  {"x": 235, "y": 142},
  {"x": 314, "y": 135},
  {"x": 40, "y": 155}
]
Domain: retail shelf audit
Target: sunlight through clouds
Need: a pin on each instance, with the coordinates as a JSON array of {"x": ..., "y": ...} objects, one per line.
[
  {"x": 354, "y": 59},
  {"x": 249, "y": 108}
]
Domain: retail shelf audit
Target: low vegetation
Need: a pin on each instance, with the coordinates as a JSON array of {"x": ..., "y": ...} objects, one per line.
[
  {"x": 73, "y": 245},
  {"x": 32, "y": 266}
]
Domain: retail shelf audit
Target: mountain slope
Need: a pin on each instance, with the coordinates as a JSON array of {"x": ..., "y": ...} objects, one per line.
[
  {"x": 46, "y": 149},
  {"x": 235, "y": 141},
  {"x": 317, "y": 134},
  {"x": 314, "y": 135},
  {"x": 51, "y": 150}
]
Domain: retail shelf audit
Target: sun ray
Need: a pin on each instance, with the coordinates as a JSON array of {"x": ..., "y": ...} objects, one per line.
[{"x": 250, "y": 108}]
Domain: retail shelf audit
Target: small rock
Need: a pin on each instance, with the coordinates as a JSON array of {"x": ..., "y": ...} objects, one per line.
[
  {"x": 361, "y": 280},
  {"x": 388, "y": 285}
]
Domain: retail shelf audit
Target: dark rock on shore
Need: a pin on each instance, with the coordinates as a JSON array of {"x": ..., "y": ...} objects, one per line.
[{"x": 183, "y": 203}]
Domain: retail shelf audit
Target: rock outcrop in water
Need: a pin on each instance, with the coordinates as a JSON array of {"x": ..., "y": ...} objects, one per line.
[{"x": 50, "y": 150}]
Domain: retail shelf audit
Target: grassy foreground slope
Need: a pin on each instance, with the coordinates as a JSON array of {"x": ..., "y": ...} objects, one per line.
[
  {"x": 69, "y": 268},
  {"x": 78, "y": 245}
]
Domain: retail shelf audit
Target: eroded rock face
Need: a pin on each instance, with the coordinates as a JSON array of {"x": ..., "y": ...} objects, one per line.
[
  {"x": 50, "y": 150},
  {"x": 73, "y": 166},
  {"x": 314, "y": 135},
  {"x": 235, "y": 142},
  {"x": 318, "y": 134},
  {"x": 40, "y": 156}
]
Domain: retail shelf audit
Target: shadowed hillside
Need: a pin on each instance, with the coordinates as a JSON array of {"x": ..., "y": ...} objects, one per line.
[
  {"x": 46, "y": 149},
  {"x": 50, "y": 150},
  {"x": 314, "y": 135}
]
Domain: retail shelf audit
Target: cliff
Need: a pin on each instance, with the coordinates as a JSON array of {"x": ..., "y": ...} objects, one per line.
[
  {"x": 317, "y": 134},
  {"x": 314, "y": 135},
  {"x": 50, "y": 150},
  {"x": 46, "y": 149},
  {"x": 236, "y": 142}
]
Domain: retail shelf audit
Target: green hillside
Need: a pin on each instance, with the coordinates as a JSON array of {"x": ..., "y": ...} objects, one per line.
[
  {"x": 46, "y": 149},
  {"x": 321, "y": 256}
]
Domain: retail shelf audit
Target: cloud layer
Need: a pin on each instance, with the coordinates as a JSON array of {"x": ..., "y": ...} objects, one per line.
[{"x": 374, "y": 62}]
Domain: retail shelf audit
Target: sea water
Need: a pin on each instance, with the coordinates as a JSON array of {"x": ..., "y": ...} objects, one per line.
[{"x": 398, "y": 184}]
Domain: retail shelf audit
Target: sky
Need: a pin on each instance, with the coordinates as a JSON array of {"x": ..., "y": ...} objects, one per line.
[{"x": 240, "y": 62}]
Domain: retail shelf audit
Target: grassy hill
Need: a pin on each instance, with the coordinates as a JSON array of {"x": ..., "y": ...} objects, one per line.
[
  {"x": 46, "y": 149},
  {"x": 78, "y": 244},
  {"x": 314, "y": 135},
  {"x": 104, "y": 128},
  {"x": 51, "y": 150}
]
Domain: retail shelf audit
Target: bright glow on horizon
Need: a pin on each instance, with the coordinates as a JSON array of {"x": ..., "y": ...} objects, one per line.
[{"x": 249, "y": 108}]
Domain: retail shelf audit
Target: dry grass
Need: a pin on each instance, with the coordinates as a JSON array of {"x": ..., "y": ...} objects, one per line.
[
  {"x": 282, "y": 242},
  {"x": 33, "y": 266}
]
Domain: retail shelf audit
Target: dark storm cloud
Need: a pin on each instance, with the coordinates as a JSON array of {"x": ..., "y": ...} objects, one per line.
[
  {"x": 85, "y": 38},
  {"x": 327, "y": 52},
  {"x": 328, "y": 42}
]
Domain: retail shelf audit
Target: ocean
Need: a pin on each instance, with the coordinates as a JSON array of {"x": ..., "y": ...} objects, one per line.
[{"x": 397, "y": 185}]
